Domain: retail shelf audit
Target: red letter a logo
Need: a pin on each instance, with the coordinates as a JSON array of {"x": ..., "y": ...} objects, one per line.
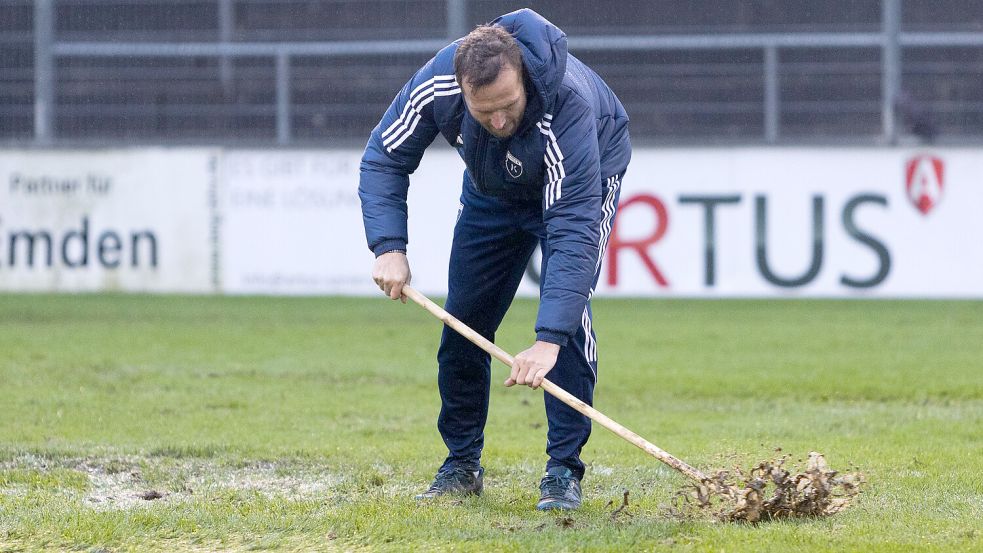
[{"x": 923, "y": 180}]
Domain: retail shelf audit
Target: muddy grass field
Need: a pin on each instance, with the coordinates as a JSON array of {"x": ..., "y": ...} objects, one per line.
[{"x": 135, "y": 423}]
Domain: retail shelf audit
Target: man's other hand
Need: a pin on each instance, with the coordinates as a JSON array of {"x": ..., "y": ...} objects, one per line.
[
  {"x": 531, "y": 366},
  {"x": 391, "y": 271}
]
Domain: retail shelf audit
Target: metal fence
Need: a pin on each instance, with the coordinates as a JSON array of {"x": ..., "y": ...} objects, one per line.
[{"x": 303, "y": 72}]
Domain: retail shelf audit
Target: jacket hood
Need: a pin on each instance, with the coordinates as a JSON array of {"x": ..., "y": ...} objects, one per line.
[{"x": 544, "y": 51}]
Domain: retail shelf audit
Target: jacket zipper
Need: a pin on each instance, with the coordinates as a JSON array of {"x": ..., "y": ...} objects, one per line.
[{"x": 479, "y": 162}]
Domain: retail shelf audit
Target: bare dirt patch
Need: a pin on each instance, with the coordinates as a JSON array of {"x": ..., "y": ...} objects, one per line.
[{"x": 129, "y": 481}]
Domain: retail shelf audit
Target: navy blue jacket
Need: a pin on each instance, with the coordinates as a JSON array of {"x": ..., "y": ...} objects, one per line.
[{"x": 573, "y": 135}]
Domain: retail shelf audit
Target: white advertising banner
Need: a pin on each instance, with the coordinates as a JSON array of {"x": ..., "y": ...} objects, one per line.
[
  {"x": 107, "y": 220},
  {"x": 292, "y": 222},
  {"x": 711, "y": 222},
  {"x": 799, "y": 222},
  {"x": 734, "y": 222}
]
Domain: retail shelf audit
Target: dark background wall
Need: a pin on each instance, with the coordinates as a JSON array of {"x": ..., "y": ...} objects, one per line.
[{"x": 674, "y": 95}]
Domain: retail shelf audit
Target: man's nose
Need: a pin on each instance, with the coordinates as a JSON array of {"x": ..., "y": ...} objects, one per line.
[{"x": 498, "y": 121}]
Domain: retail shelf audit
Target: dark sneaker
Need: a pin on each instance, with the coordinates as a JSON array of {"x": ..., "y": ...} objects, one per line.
[
  {"x": 455, "y": 481},
  {"x": 559, "y": 490}
]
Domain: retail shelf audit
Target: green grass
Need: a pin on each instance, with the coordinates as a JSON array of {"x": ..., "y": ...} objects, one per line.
[{"x": 309, "y": 423}]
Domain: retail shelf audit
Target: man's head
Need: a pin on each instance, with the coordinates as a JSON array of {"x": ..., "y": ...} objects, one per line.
[{"x": 488, "y": 66}]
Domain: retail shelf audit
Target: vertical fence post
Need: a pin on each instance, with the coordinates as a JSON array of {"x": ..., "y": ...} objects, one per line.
[
  {"x": 226, "y": 18},
  {"x": 890, "y": 67},
  {"x": 44, "y": 71},
  {"x": 772, "y": 115},
  {"x": 283, "y": 130},
  {"x": 457, "y": 17}
]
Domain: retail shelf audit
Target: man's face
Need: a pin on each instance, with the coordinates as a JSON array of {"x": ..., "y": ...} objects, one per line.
[{"x": 499, "y": 105}]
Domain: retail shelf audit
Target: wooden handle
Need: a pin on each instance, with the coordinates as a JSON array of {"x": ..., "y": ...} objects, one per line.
[{"x": 553, "y": 389}]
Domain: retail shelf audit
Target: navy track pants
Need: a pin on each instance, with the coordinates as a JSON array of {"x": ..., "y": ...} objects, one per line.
[{"x": 493, "y": 242}]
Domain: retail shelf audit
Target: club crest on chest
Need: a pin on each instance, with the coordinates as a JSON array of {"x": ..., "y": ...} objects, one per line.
[{"x": 513, "y": 165}]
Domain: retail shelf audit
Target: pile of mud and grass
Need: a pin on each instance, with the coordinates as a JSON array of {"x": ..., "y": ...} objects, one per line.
[{"x": 772, "y": 490}]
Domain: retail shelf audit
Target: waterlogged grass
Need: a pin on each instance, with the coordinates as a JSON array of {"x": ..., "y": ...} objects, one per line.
[{"x": 308, "y": 424}]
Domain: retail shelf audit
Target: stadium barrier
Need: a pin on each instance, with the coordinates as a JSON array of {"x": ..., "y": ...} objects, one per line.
[{"x": 710, "y": 222}]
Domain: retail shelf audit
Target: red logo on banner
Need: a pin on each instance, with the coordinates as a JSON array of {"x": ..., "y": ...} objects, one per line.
[{"x": 924, "y": 182}]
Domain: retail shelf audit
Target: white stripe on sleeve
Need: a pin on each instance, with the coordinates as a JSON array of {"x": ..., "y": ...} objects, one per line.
[{"x": 404, "y": 125}]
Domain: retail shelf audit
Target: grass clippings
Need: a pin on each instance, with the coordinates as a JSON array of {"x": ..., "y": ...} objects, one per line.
[
  {"x": 770, "y": 491},
  {"x": 622, "y": 509}
]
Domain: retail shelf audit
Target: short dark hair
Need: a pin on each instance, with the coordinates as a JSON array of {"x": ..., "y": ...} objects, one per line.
[{"x": 481, "y": 54}]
